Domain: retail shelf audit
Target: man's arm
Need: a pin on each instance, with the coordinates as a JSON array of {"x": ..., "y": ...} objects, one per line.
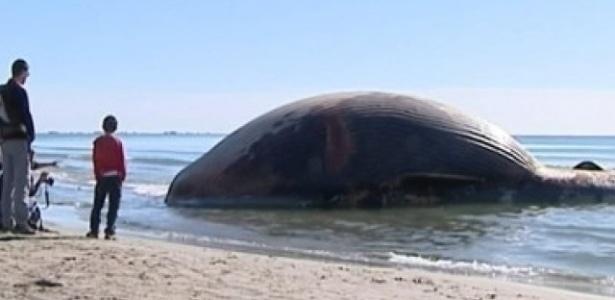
[
  {"x": 39, "y": 165},
  {"x": 37, "y": 185},
  {"x": 26, "y": 115}
]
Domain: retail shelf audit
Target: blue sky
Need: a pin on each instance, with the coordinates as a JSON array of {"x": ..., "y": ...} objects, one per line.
[{"x": 545, "y": 67}]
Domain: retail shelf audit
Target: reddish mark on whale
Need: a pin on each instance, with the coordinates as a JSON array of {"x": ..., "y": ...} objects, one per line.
[{"x": 339, "y": 143}]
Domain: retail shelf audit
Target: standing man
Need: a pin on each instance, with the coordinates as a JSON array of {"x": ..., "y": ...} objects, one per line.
[{"x": 17, "y": 133}]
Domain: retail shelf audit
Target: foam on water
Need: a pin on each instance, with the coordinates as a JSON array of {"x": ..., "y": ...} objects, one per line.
[
  {"x": 149, "y": 190},
  {"x": 473, "y": 267},
  {"x": 525, "y": 274}
]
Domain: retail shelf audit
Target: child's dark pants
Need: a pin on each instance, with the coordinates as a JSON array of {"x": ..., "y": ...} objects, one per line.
[{"x": 110, "y": 186}]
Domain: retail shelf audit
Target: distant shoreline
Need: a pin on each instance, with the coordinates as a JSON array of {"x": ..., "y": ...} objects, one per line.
[
  {"x": 220, "y": 134},
  {"x": 169, "y": 133}
]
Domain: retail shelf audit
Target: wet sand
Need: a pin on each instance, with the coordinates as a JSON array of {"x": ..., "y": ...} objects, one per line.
[{"x": 65, "y": 265}]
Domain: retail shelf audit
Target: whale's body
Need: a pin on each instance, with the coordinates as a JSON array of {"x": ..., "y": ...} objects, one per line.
[{"x": 373, "y": 149}]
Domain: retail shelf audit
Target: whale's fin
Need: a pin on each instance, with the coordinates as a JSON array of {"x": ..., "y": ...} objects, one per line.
[
  {"x": 588, "y": 166},
  {"x": 440, "y": 177},
  {"x": 424, "y": 179}
]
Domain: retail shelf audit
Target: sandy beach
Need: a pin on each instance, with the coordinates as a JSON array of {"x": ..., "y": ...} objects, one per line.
[{"x": 65, "y": 265}]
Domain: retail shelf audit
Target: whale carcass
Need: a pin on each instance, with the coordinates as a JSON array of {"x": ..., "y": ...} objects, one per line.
[{"x": 374, "y": 149}]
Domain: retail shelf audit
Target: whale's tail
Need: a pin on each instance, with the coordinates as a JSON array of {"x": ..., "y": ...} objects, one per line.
[{"x": 585, "y": 183}]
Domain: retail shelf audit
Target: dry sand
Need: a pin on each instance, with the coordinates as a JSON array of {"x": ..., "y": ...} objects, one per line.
[{"x": 67, "y": 266}]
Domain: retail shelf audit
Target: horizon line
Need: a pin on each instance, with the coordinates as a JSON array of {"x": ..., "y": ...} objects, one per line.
[{"x": 209, "y": 133}]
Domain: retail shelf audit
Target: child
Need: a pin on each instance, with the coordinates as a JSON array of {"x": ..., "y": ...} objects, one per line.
[{"x": 110, "y": 172}]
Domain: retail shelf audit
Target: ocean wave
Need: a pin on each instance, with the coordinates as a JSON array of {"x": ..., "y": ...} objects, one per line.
[
  {"x": 78, "y": 158},
  {"x": 43, "y": 148},
  {"x": 170, "y": 151},
  {"x": 85, "y": 179},
  {"x": 159, "y": 160},
  {"x": 569, "y": 147},
  {"x": 461, "y": 266},
  {"x": 559, "y": 278},
  {"x": 139, "y": 151},
  {"x": 148, "y": 190},
  {"x": 574, "y": 155},
  {"x": 60, "y": 176}
]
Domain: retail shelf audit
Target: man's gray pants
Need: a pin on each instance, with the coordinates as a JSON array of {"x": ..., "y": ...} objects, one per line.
[{"x": 16, "y": 168}]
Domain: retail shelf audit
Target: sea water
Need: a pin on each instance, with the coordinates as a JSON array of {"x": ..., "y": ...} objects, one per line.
[{"x": 568, "y": 246}]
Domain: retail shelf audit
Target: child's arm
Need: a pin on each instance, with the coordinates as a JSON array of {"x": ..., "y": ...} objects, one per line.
[
  {"x": 95, "y": 160},
  {"x": 122, "y": 162}
]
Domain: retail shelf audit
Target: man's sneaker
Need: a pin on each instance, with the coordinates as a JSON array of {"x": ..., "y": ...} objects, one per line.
[
  {"x": 109, "y": 236},
  {"x": 91, "y": 235},
  {"x": 23, "y": 230}
]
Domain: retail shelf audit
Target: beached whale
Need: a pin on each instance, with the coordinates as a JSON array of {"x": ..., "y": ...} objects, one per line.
[{"x": 375, "y": 149}]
